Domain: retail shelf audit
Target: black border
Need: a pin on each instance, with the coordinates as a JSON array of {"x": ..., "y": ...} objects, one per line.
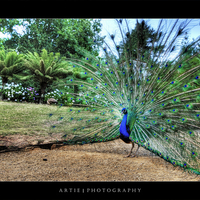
[
  {"x": 50, "y": 190},
  {"x": 100, "y": 9}
]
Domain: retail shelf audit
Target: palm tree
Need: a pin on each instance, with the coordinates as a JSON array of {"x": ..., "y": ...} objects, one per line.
[
  {"x": 10, "y": 64},
  {"x": 45, "y": 69}
]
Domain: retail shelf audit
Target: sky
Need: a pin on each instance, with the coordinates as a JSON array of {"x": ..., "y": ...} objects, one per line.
[{"x": 111, "y": 26}]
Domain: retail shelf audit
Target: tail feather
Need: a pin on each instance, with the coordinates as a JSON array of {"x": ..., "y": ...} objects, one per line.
[{"x": 157, "y": 84}]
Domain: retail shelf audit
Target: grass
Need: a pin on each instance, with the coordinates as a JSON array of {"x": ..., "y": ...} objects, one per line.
[
  {"x": 33, "y": 119},
  {"x": 26, "y": 118}
]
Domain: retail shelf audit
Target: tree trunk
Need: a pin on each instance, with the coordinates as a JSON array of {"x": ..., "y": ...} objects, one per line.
[
  {"x": 4, "y": 81},
  {"x": 43, "y": 86},
  {"x": 76, "y": 89},
  {"x": 1, "y": 95}
]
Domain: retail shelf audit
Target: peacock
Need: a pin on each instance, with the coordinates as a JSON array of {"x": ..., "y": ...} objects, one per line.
[{"x": 143, "y": 93}]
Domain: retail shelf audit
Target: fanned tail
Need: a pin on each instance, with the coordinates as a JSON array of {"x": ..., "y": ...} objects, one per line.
[{"x": 157, "y": 84}]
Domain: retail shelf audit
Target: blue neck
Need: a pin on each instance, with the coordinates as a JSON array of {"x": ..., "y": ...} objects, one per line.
[{"x": 123, "y": 128}]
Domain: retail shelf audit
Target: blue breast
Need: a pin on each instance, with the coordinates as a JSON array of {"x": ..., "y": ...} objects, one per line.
[{"x": 124, "y": 129}]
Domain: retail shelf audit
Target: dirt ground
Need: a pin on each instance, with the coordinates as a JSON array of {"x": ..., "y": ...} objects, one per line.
[{"x": 90, "y": 162}]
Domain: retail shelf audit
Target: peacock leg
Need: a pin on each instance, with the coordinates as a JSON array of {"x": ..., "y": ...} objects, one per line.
[
  {"x": 136, "y": 152},
  {"x": 130, "y": 151}
]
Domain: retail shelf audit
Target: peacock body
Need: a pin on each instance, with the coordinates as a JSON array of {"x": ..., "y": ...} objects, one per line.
[{"x": 156, "y": 89}]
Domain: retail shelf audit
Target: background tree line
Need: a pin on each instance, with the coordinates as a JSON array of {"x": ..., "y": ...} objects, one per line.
[{"x": 37, "y": 57}]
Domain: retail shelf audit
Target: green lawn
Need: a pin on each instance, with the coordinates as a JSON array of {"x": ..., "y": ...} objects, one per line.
[
  {"x": 35, "y": 120},
  {"x": 26, "y": 118}
]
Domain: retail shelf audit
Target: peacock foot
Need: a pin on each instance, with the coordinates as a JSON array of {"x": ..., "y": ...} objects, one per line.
[
  {"x": 134, "y": 156},
  {"x": 127, "y": 156}
]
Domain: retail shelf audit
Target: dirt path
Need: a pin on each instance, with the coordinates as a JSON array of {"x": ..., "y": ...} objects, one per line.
[{"x": 90, "y": 162}]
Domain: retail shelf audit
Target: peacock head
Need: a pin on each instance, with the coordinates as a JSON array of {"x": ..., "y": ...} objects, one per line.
[{"x": 124, "y": 111}]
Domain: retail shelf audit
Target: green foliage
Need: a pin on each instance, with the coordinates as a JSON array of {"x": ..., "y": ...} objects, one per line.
[
  {"x": 10, "y": 65},
  {"x": 7, "y": 25},
  {"x": 55, "y": 35},
  {"x": 44, "y": 69}
]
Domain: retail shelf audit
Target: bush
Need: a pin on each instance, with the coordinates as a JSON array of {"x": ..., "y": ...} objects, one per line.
[
  {"x": 15, "y": 92},
  {"x": 18, "y": 93},
  {"x": 63, "y": 97}
]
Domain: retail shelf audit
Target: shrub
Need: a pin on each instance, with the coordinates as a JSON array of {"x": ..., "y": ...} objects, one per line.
[{"x": 15, "y": 92}]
